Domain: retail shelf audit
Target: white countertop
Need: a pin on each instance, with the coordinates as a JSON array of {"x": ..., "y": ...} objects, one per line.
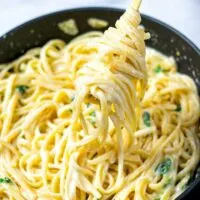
[{"x": 183, "y": 15}]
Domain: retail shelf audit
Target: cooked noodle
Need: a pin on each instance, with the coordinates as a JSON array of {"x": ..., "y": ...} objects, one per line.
[{"x": 80, "y": 120}]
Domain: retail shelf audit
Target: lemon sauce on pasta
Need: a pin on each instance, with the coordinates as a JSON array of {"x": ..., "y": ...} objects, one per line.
[{"x": 97, "y": 118}]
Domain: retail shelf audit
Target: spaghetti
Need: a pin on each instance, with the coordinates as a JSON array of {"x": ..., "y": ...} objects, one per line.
[{"x": 81, "y": 121}]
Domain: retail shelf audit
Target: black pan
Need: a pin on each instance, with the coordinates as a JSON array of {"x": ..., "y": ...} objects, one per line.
[{"x": 164, "y": 38}]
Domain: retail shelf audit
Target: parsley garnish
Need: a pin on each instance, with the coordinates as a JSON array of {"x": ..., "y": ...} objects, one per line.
[
  {"x": 146, "y": 119},
  {"x": 164, "y": 166},
  {"x": 178, "y": 108},
  {"x": 93, "y": 114},
  {"x": 5, "y": 180},
  {"x": 158, "y": 69},
  {"x": 22, "y": 88}
]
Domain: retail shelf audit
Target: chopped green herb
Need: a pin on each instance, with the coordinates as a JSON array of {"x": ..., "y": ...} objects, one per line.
[
  {"x": 178, "y": 108},
  {"x": 23, "y": 136},
  {"x": 147, "y": 119},
  {"x": 22, "y": 88},
  {"x": 157, "y": 198},
  {"x": 93, "y": 114},
  {"x": 158, "y": 69},
  {"x": 5, "y": 180},
  {"x": 70, "y": 110},
  {"x": 164, "y": 166}
]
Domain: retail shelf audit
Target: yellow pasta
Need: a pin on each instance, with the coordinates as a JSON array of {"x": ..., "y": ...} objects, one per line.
[{"x": 81, "y": 121}]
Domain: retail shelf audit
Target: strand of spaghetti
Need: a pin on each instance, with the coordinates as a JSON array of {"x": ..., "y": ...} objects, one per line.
[{"x": 81, "y": 121}]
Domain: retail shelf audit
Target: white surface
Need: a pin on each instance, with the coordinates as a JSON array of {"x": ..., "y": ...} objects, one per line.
[{"x": 183, "y": 15}]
